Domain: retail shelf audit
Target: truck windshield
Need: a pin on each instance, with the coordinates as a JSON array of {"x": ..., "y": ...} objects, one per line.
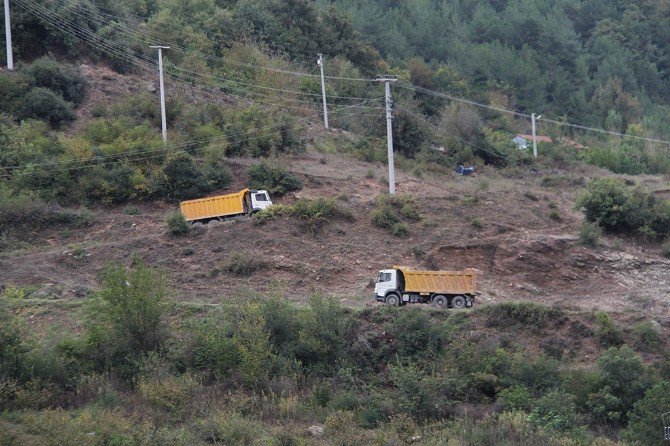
[
  {"x": 384, "y": 277},
  {"x": 261, "y": 197}
]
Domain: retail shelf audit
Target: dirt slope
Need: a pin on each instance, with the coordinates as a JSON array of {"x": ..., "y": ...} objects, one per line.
[{"x": 500, "y": 226}]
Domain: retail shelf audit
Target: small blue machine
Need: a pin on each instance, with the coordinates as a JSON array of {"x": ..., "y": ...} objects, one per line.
[{"x": 460, "y": 170}]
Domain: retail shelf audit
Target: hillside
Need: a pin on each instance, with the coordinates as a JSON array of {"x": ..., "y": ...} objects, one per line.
[{"x": 122, "y": 325}]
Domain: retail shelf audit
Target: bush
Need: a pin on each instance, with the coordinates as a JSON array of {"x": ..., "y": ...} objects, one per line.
[
  {"x": 181, "y": 179},
  {"x": 177, "y": 224},
  {"x": 589, "y": 234},
  {"x": 521, "y": 314},
  {"x": 665, "y": 249},
  {"x": 605, "y": 202},
  {"x": 229, "y": 429},
  {"x": 607, "y": 333},
  {"x": 556, "y": 411},
  {"x": 391, "y": 210},
  {"x": 127, "y": 320},
  {"x": 648, "y": 335},
  {"x": 41, "y": 103},
  {"x": 170, "y": 394},
  {"x": 242, "y": 264},
  {"x": 643, "y": 427},
  {"x": 63, "y": 80},
  {"x": 273, "y": 179},
  {"x": 314, "y": 214}
]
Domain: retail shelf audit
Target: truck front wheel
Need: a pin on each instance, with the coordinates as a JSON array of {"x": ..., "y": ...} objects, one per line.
[
  {"x": 440, "y": 301},
  {"x": 458, "y": 302},
  {"x": 393, "y": 300}
]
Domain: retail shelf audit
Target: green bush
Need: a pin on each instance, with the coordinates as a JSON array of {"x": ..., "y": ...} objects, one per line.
[
  {"x": 127, "y": 320},
  {"x": 63, "y": 80},
  {"x": 516, "y": 398},
  {"x": 589, "y": 234},
  {"x": 528, "y": 315},
  {"x": 181, "y": 179},
  {"x": 556, "y": 412},
  {"x": 665, "y": 249},
  {"x": 314, "y": 214},
  {"x": 213, "y": 348},
  {"x": 229, "y": 429},
  {"x": 41, "y": 103},
  {"x": 400, "y": 230},
  {"x": 607, "y": 333},
  {"x": 177, "y": 224},
  {"x": 416, "y": 336},
  {"x": 648, "y": 335},
  {"x": 384, "y": 216},
  {"x": 643, "y": 427},
  {"x": 273, "y": 179},
  {"x": 242, "y": 264}
]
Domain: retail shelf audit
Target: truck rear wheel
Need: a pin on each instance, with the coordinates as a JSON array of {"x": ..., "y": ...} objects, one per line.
[
  {"x": 458, "y": 302},
  {"x": 440, "y": 301},
  {"x": 393, "y": 300}
]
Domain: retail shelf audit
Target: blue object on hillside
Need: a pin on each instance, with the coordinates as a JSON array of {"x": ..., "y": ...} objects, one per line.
[{"x": 460, "y": 170}]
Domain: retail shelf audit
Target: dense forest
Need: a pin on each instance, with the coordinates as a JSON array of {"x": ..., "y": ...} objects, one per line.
[{"x": 80, "y": 130}]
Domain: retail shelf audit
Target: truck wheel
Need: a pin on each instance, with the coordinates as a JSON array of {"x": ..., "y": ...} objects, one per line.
[
  {"x": 440, "y": 301},
  {"x": 393, "y": 300},
  {"x": 458, "y": 302}
]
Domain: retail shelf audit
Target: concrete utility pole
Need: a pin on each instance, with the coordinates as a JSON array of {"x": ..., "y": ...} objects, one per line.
[
  {"x": 160, "y": 71},
  {"x": 389, "y": 128},
  {"x": 8, "y": 36},
  {"x": 323, "y": 90},
  {"x": 533, "y": 119}
]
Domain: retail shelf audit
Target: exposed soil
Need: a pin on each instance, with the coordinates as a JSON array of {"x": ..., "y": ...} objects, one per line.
[{"x": 501, "y": 226}]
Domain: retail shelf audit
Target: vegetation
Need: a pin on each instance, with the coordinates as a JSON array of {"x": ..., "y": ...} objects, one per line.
[
  {"x": 263, "y": 361},
  {"x": 177, "y": 224},
  {"x": 390, "y": 212}
]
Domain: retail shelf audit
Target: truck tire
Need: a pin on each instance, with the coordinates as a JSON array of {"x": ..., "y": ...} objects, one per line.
[
  {"x": 440, "y": 301},
  {"x": 393, "y": 300},
  {"x": 458, "y": 302}
]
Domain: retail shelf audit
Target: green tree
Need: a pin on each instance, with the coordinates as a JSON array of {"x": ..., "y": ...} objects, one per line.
[{"x": 645, "y": 425}]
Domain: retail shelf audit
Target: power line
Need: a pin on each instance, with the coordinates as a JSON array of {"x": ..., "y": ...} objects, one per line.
[
  {"x": 173, "y": 146},
  {"x": 92, "y": 15},
  {"x": 442, "y": 132},
  {"x": 142, "y": 60}
]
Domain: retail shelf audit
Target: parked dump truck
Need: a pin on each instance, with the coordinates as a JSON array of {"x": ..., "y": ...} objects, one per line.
[
  {"x": 402, "y": 285},
  {"x": 221, "y": 206}
]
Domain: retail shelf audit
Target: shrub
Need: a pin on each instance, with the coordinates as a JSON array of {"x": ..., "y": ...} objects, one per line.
[
  {"x": 604, "y": 202},
  {"x": 665, "y": 249},
  {"x": 400, "y": 230},
  {"x": 648, "y": 335},
  {"x": 516, "y": 398},
  {"x": 213, "y": 349},
  {"x": 607, "y": 333},
  {"x": 177, "y": 224},
  {"x": 41, "y": 103},
  {"x": 416, "y": 336},
  {"x": 556, "y": 411},
  {"x": 127, "y": 319},
  {"x": 555, "y": 215},
  {"x": 314, "y": 214},
  {"x": 273, "y": 179},
  {"x": 521, "y": 314},
  {"x": 63, "y": 80},
  {"x": 170, "y": 394},
  {"x": 181, "y": 179},
  {"x": 228, "y": 428},
  {"x": 390, "y": 210},
  {"x": 477, "y": 223},
  {"x": 242, "y": 264},
  {"x": 589, "y": 234},
  {"x": 643, "y": 426}
]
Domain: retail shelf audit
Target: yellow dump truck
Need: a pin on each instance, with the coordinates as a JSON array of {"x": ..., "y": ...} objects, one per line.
[
  {"x": 221, "y": 206},
  {"x": 402, "y": 285}
]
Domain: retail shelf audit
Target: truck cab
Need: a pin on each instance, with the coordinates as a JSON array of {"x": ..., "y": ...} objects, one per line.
[
  {"x": 260, "y": 199},
  {"x": 387, "y": 280}
]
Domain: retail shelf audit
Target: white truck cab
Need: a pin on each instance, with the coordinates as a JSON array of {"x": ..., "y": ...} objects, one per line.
[
  {"x": 260, "y": 199},
  {"x": 386, "y": 281}
]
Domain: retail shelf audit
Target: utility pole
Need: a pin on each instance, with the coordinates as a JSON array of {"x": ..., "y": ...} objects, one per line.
[
  {"x": 323, "y": 91},
  {"x": 533, "y": 119},
  {"x": 8, "y": 36},
  {"x": 160, "y": 71},
  {"x": 389, "y": 128}
]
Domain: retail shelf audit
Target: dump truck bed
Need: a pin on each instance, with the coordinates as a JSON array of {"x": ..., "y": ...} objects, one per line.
[
  {"x": 212, "y": 207},
  {"x": 440, "y": 282}
]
